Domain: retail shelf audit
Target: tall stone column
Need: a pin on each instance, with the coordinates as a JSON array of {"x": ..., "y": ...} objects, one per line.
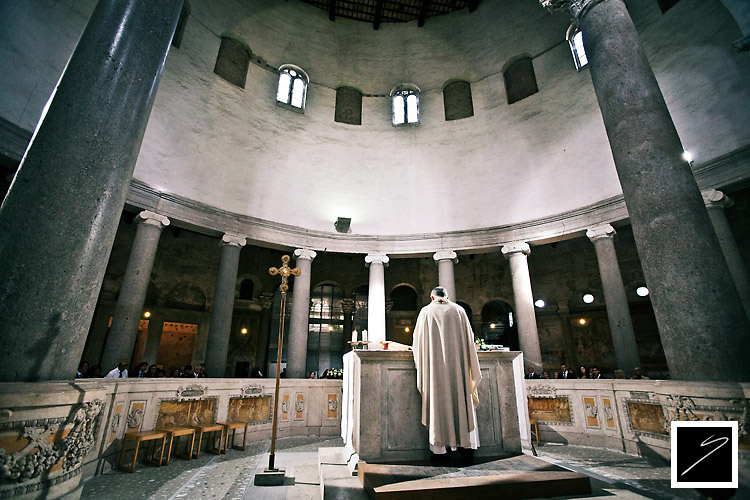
[
  {"x": 71, "y": 188},
  {"x": 264, "y": 332},
  {"x": 221, "y": 317},
  {"x": 528, "y": 336},
  {"x": 376, "y": 297},
  {"x": 446, "y": 278},
  {"x": 299, "y": 321},
  {"x": 153, "y": 339},
  {"x": 348, "y": 307},
  {"x": 124, "y": 330},
  {"x": 618, "y": 311},
  {"x": 680, "y": 253},
  {"x": 716, "y": 202},
  {"x": 570, "y": 349}
]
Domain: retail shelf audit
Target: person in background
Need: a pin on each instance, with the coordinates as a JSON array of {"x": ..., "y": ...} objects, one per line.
[
  {"x": 313, "y": 375},
  {"x": 83, "y": 370},
  {"x": 532, "y": 373},
  {"x": 637, "y": 375},
  {"x": 619, "y": 373},
  {"x": 565, "y": 372},
  {"x": 174, "y": 372},
  {"x": 120, "y": 371},
  {"x": 152, "y": 371},
  {"x": 595, "y": 373},
  {"x": 203, "y": 372},
  {"x": 187, "y": 371},
  {"x": 141, "y": 370},
  {"x": 545, "y": 374},
  {"x": 583, "y": 373}
]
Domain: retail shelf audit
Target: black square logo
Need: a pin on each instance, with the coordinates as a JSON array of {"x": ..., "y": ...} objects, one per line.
[{"x": 704, "y": 454}]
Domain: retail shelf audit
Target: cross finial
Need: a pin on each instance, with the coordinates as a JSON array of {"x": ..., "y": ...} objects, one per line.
[{"x": 285, "y": 271}]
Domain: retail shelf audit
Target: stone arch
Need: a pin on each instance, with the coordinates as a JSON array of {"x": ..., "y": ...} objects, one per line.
[
  {"x": 498, "y": 324},
  {"x": 519, "y": 78},
  {"x": 457, "y": 100}
]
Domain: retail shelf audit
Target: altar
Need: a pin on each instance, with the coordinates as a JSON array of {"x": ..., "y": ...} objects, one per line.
[{"x": 382, "y": 408}]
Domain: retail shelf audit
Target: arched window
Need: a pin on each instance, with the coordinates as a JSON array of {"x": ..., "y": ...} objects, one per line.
[
  {"x": 246, "y": 289},
  {"x": 520, "y": 80},
  {"x": 292, "y": 90},
  {"x": 404, "y": 298},
  {"x": 405, "y": 100},
  {"x": 498, "y": 324},
  {"x": 575, "y": 40}
]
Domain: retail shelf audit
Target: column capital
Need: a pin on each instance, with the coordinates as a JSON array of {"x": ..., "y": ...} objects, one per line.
[
  {"x": 347, "y": 305},
  {"x": 152, "y": 219},
  {"x": 266, "y": 300},
  {"x": 572, "y": 7},
  {"x": 445, "y": 255},
  {"x": 514, "y": 248},
  {"x": 376, "y": 258},
  {"x": 233, "y": 239},
  {"x": 713, "y": 198},
  {"x": 305, "y": 253},
  {"x": 602, "y": 231}
]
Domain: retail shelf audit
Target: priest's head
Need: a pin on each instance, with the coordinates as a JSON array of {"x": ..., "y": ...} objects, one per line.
[{"x": 439, "y": 292}]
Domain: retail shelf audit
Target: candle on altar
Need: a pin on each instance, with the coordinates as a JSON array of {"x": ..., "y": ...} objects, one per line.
[
  {"x": 364, "y": 335},
  {"x": 354, "y": 335}
]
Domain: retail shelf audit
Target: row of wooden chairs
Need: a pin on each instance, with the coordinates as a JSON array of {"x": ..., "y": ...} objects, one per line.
[{"x": 164, "y": 440}]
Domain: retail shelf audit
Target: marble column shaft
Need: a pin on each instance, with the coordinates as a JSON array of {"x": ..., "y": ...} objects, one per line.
[
  {"x": 220, "y": 329},
  {"x": 59, "y": 219},
  {"x": 716, "y": 202},
  {"x": 528, "y": 336},
  {"x": 376, "y": 297},
  {"x": 129, "y": 309},
  {"x": 264, "y": 332},
  {"x": 296, "y": 353},
  {"x": 446, "y": 259},
  {"x": 153, "y": 340},
  {"x": 571, "y": 359},
  {"x": 701, "y": 320},
  {"x": 618, "y": 310},
  {"x": 348, "y": 310}
]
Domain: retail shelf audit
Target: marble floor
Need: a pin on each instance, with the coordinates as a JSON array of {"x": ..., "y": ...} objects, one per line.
[{"x": 230, "y": 476}]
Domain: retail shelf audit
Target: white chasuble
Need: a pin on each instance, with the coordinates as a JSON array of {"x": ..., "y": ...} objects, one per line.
[{"x": 447, "y": 375}]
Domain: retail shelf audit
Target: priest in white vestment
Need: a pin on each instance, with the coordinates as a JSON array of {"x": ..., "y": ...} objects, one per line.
[{"x": 447, "y": 374}]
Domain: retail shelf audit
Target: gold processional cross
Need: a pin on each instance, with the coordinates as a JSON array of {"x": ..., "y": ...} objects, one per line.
[{"x": 285, "y": 271}]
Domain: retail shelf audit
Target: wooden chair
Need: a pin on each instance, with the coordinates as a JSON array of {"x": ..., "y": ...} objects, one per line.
[
  {"x": 210, "y": 429},
  {"x": 233, "y": 426},
  {"x": 177, "y": 432},
  {"x": 139, "y": 436}
]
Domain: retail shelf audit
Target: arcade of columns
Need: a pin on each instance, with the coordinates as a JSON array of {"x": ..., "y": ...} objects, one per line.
[{"x": 45, "y": 325}]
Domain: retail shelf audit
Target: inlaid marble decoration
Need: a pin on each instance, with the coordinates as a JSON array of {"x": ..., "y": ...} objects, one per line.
[
  {"x": 333, "y": 405},
  {"x": 136, "y": 412},
  {"x": 592, "y": 412},
  {"x": 285, "y": 408},
  {"x": 550, "y": 409},
  {"x": 609, "y": 414},
  {"x": 299, "y": 407},
  {"x": 646, "y": 417},
  {"x": 114, "y": 427},
  {"x": 184, "y": 413},
  {"x": 254, "y": 410}
]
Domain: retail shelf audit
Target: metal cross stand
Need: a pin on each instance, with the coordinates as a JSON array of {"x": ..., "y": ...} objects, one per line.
[{"x": 272, "y": 476}]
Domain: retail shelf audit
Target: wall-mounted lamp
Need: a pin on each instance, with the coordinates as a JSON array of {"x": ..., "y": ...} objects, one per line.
[
  {"x": 243, "y": 331},
  {"x": 342, "y": 225},
  {"x": 146, "y": 314}
]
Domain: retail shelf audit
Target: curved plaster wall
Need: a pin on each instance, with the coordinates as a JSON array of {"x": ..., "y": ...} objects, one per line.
[{"x": 225, "y": 158}]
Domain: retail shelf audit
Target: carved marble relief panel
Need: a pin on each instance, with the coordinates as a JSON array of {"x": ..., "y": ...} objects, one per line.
[
  {"x": 116, "y": 423},
  {"x": 646, "y": 418},
  {"x": 555, "y": 410},
  {"x": 609, "y": 414},
  {"x": 184, "y": 413},
  {"x": 285, "y": 407},
  {"x": 299, "y": 407},
  {"x": 254, "y": 410},
  {"x": 136, "y": 412},
  {"x": 333, "y": 406},
  {"x": 592, "y": 412}
]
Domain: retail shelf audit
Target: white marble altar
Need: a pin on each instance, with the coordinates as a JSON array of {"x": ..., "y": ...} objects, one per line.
[{"x": 381, "y": 406}]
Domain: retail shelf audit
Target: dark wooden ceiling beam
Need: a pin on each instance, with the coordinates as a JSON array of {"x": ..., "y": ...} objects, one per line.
[
  {"x": 378, "y": 14},
  {"x": 423, "y": 12},
  {"x": 332, "y": 10}
]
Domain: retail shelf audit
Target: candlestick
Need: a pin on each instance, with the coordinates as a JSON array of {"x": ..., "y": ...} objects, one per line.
[
  {"x": 364, "y": 335},
  {"x": 354, "y": 335}
]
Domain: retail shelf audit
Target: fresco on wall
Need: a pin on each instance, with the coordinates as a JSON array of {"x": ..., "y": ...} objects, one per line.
[
  {"x": 256, "y": 409},
  {"x": 593, "y": 342},
  {"x": 550, "y": 409}
]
